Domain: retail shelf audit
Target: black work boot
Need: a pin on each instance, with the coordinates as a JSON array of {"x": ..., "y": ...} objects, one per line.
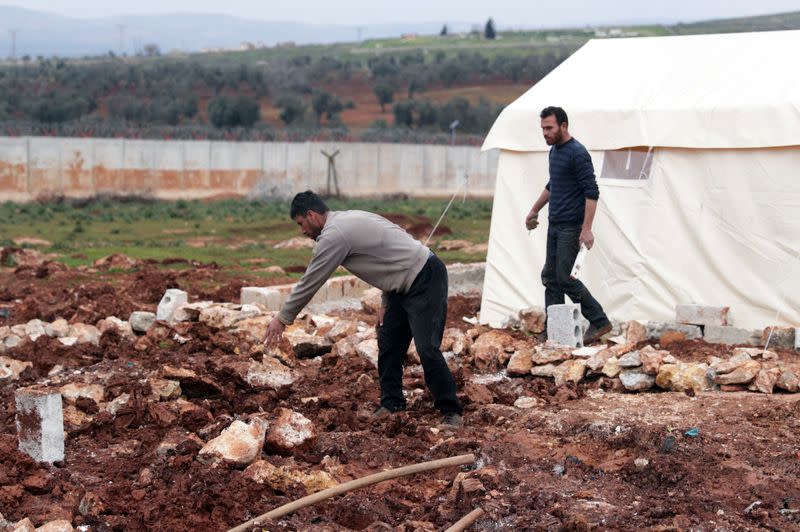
[
  {"x": 451, "y": 420},
  {"x": 595, "y": 331},
  {"x": 382, "y": 412}
]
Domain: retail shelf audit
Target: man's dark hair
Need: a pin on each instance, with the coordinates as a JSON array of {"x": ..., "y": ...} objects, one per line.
[
  {"x": 558, "y": 112},
  {"x": 307, "y": 201}
]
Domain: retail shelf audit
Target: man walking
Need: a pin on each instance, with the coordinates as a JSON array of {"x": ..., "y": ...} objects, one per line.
[
  {"x": 572, "y": 193},
  {"x": 414, "y": 284}
]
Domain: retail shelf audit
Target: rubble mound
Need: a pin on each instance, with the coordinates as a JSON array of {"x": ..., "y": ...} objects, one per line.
[{"x": 193, "y": 423}]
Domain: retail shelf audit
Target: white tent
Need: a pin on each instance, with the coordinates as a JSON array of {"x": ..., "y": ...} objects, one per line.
[{"x": 696, "y": 144}]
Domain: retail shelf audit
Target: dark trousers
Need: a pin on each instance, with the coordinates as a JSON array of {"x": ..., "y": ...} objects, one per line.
[
  {"x": 419, "y": 314},
  {"x": 562, "y": 248}
]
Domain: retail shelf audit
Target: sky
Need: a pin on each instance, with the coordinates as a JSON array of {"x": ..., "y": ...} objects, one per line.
[{"x": 506, "y": 13}]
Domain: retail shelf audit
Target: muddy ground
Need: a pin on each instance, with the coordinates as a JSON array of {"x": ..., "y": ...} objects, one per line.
[
  {"x": 585, "y": 457},
  {"x": 52, "y": 290}
]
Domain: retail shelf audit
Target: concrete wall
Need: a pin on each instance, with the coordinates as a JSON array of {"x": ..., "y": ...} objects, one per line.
[{"x": 33, "y": 167}]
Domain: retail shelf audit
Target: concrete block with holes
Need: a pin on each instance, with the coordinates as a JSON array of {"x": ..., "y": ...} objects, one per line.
[
  {"x": 565, "y": 324},
  {"x": 173, "y": 298}
]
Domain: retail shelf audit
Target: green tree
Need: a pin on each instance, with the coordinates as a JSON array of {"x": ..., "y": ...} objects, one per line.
[
  {"x": 128, "y": 108},
  {"x": 242, "y": 111},
  {"x": 452, "y": 72},
  {"x": 404, "y": 113},
  {"x": 417, "y": 83},
  {"x": 219, "y": 111},
  {"x": 247, "y": 110},
  {"x": 384, "y": 67},
  {"x": 293, "y": 109},
  {"x": 151, "y": 50},
  {"x": 190, "y": 106},
  {"x": 489, "y": 32},
  {"x": 56, "y": 108},
  {"x": 335, "y": 108},
  {"x": 427, "y": 114},
  {"x": 443, "y": 33},
  {"x": 456, "y": 109},
  {"x": 172, "y": 113},
  {"x": 323, "y": 102},
  {"x": 385, "y": 94}
]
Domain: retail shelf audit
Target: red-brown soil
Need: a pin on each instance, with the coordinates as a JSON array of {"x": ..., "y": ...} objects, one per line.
[
  {"x": 417, "y": 226},
  {"x": 566, "y": 464},
  {"x": 49, "y": 292}
]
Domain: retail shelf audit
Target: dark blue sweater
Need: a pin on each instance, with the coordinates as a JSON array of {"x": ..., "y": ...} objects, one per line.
[{"x": 571, "y": 183}]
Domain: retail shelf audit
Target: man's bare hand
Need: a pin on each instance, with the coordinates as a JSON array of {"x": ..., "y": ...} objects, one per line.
[
  {"x": 586, "y": 238},
  {"x": 532, "y": 220},
  {"x": 274, "y": 332},
  {"x": 381, "y": 312}
]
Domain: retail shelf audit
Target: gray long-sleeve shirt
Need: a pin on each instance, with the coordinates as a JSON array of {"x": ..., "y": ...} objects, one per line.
[{"x": 369, "y": 246}]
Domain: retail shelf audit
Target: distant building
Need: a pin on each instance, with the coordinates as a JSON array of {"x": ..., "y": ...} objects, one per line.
[
  {"x": 615, "y": 32},
  {"x": 247, "y": 46},
  {"x": 409, "y": 36}
]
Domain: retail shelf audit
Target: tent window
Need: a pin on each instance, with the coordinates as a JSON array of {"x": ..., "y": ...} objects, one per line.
[{"x": 629, "y": 163}]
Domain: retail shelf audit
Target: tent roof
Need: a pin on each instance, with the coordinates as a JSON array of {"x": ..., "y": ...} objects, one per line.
[{"x": 737, "y": 90}]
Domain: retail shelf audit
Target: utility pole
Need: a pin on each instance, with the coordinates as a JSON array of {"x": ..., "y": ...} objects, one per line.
[
  {"x": 453, "y": 127},
  {"x": 13, "y": 44},
  {"x": 121, "y": 28}
]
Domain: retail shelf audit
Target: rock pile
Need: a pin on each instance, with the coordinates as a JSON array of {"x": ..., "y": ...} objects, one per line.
[{"x": 634, "y": 369}]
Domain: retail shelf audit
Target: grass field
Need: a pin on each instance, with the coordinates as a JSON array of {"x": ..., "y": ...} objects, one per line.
[{"x": 228, "y": 232}]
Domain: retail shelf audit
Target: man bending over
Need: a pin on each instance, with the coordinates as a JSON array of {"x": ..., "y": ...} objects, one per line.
[{"x": 414, "y": 284}]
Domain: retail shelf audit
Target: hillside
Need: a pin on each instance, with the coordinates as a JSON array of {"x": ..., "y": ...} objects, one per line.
[
  {"x": 408, "y": 89},
  {"x": 780, "y": 21},
  {"x": 46, "y": 34}
]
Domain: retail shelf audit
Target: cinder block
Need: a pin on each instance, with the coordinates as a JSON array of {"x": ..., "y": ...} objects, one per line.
[
  {"x": 716, "y": 334},
  {"x": 40, "y": 423},
  {"x": 335, "y": 288},
  {"x": 284, "y": 291},
  {"x": 322, "y": 294},
  {"x": 564, "y": 324},
  {"x": 465, "y": 277},
  {"x": 355, "y": 288},
  {"x": 797, "y": 339},
  {"x": 173, "y": 298},
  {"x": 350, "y": 286},
  {"x": 702, "y": 315},
  {"x": 271, "y": 297}
]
